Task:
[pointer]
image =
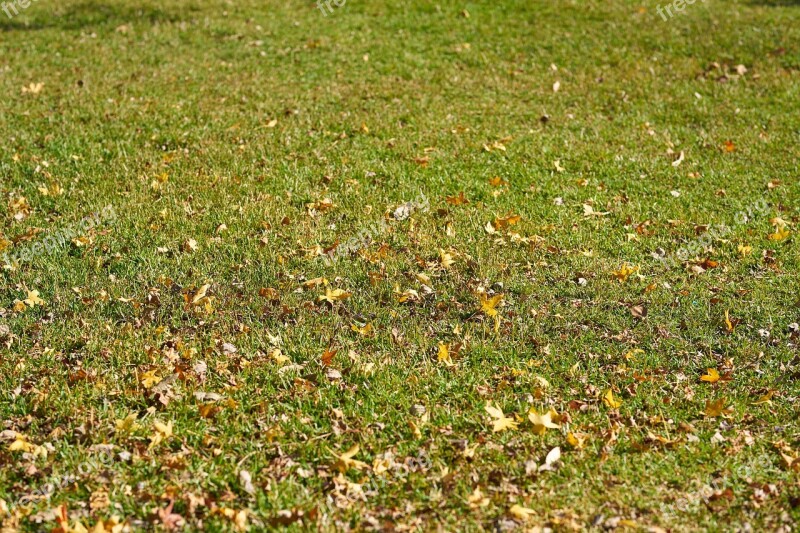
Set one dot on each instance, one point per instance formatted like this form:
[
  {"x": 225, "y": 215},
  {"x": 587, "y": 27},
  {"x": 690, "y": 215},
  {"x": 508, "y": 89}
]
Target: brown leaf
[{"x": 639, "y": 311}]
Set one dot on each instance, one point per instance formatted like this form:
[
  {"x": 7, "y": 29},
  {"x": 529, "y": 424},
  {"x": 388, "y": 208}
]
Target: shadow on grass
[{"x": 89, "y": 14}]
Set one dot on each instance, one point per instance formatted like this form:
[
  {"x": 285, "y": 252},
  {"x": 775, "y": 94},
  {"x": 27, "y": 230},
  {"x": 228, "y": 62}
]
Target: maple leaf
[
  {"x": 576, "y": 440},
  {"x": 712, "y": 376},
  {"x": 322, "y": 205},
  {"x": 408, "y": 295},
  {"x": 521, "y": 513},
  {"x": 345, "y": 461},
  {"x": 779, "y": 235},
  {"x": 460, "y": 199},
  {"x": 365, "y": 331},
  {"x": 631, "y": 355},
  {"x": 170, "y": 520},
  {"x": 443, "y": 356},
  {"x": 501, "y": 422},
  {"x": 150, "y": 378},
  {"x": 328, "y": 355},
  {"x": 588, "y": 211},
  {"x": 127, "y": 424},
  {"x": 446, "y": 259},
  {"x": 477, "y": 499},
  {"x": 541, "y": 423},
  {"x": 163, "y": 432},
  {"x": 314, "y": 282},
  {"x": 278, "y": 356},
  {"x": 33, "y": 88},
  {"x": 717, "y": 408},
  {"x": 33, "y": 299},
  {"x": 624, "y": 272},
  {"x": 489, "y": 305},
  {"x": 489, "y": 308},
  {"x": 239, "y": 518},
  {"x": 502, "y": 223},
  {"x": 333, "y": 296},
  {"x": 791, "y": 462},
  {"x": 21, "y": 444}
]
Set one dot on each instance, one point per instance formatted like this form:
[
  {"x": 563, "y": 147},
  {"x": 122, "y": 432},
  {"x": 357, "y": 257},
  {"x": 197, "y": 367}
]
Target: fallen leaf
[
  {"x": 610, "y": 401},
  {"x": 717, "y": 408},
  {"x": 541, "y": 423},
  {"x": 521, "y": 513},
  {"x": 501, "y": 422},
  {"x": 712, "y": 376},
  {"x": 345, "y": 461},
  {"x": 624, "y": 272},
  {"x": 333, "y": 296}
]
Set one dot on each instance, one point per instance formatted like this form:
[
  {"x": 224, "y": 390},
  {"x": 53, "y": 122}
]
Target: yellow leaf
[
  {"x": 541, "y": 423},
  {"x": 576, "y": 441},
  {"x": 408, "y": 295},
  {"x": 610, "y": 401},
  {"x": 779, "y": 235},
  {"x": 631, "y": 355},
  {"x": 127, "y": 424},
  {"x": 522, "y": 513},
  {"x": 32, "y": 88},
  {"x": 488, "y": 305},
  {"x": 162, "y": 432},
  {"x": 477, "y": 499},
  {"x": 33, "y": 299},
  {"x": 149, "y": 378},
  {"x": 278, "y": 356},
  {"x": 767, "y": 398},
  {"x": 239, "y": 518},
  {"x": 445, "y": 259},
  {"x": 543, "y": 383},
  {"x": 625, "y": 272},
  {"x": 365, "y": 331},
  {"x": 728, "y": 323},
  {"x": 502, "y": 223},
  {"x": 711, "y": 377},
  {"x": 501, "y": 422},
  {"x": 345, "y": 461},
  {"x": 717, "y": 408},
  {"x": 200, "y": 294},
  {"x": 444, "y": 355},
  {"x": 314, "y": 282},
  {"x": 588, "y": 211},
  {"x": 333, "y": 296},
  {"x": 19, "y": 444}
]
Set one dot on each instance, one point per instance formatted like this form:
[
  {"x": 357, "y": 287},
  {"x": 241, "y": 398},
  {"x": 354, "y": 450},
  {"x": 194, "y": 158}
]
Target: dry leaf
[
  {"x": 501, "y": 422},
  {"x": 610, "y": 401},
  {"x": 541, "y": 423},
  {"x": 712, "y": 376}
]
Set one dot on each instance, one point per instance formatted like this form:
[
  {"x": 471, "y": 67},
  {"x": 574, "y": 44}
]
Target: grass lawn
[{"x": 460, "y": 266}]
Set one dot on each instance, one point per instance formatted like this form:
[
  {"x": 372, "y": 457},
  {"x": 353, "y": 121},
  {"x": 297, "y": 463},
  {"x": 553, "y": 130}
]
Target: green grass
[{"x": 166, "y": 110}]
